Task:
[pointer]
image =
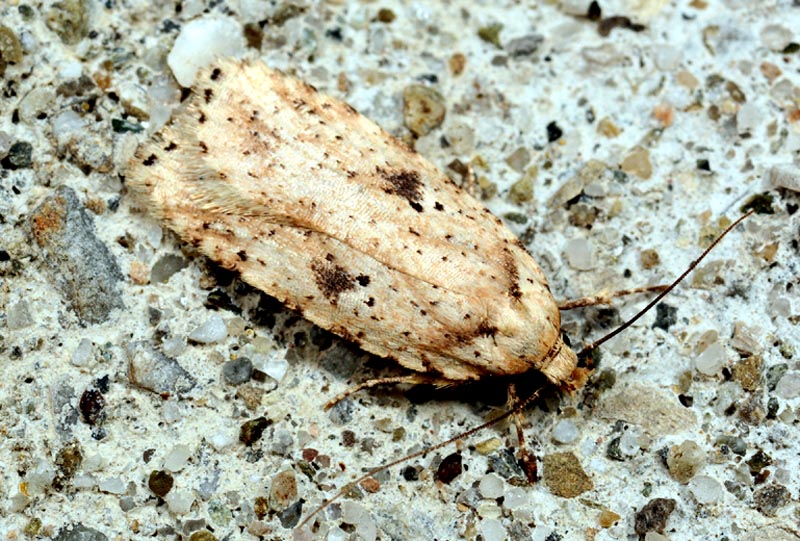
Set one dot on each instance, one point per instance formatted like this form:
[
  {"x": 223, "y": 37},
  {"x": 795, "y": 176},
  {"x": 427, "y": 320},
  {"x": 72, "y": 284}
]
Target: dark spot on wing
[
  {"x": 215, "y": 74},
  {"x": 363, "y": 280},
  {"x": 332, "y": 279},
  {"x": 150, "y": 160},
  {"x": 405, "y": 184}
]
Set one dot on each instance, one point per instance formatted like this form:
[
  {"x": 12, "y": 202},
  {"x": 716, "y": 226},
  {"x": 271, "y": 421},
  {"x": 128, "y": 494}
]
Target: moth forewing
[{"x": 319, "y": 207}]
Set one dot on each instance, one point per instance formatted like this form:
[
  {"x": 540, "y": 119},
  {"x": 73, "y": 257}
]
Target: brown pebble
[
  {"x": 564, "y": 475},
  {"x": 653, "y": 516},
  {"x": 160, "y": 482},
  {"x": 370, "y": 484}
]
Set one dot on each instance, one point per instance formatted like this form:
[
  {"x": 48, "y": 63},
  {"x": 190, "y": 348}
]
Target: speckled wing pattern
[{"x": 316, "y": 205}]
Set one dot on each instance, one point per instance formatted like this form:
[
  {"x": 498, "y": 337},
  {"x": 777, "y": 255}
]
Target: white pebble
[
  {"x": 212, "y": 330},
  {"x": 82, "y": 354},
  {"x": 112, "y": 485},
  {"x": 66, "y": 125},
  {"x": 274, "y": 365},
  {"x": 748, "y": 118},
  {"x": 487, "y": 509},
  {"x": 69, "y": 69},
  {"x": 492, "y": 530},
  {"x": 179, "y": 502},
  {"x": 222, "y": 440},
  {"x": 515, "y": 497},
  {"x": 711, "y": 360},
  {"x": 202, "y": 41},
  {"x": 785, "y": 176},
  {"x": 491, "y": 486},
  {"x": 171, "y": 411},
  {"x": 565, "y": 431},
  {"x": 354, "y": 513},
  {"x": 667, "y": 58},
  {"x": 629, "y": 443},
  {"x": 705, "y": 489},
  {"x": 776, "y": 37},
  {"x": 177, "y": 458},
  {"x": 580, "y": 254},
  {"x": 336, "y": 534},
  {"x": 789, "y": 386}
]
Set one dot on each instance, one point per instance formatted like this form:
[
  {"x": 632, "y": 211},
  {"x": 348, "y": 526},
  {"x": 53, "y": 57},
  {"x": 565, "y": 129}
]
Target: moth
[
  {"x": 316, "y": 205},
  {"x": 319, "y": 207}
]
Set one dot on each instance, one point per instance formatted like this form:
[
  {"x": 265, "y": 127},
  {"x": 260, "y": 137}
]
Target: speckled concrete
[{"x": 128, "y": 412}]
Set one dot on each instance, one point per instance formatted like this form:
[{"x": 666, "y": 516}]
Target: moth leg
[
  {"x": 414, "y": 379},
  {"x": 526, "y": 457},
  {"x": 605, "y": 298}
]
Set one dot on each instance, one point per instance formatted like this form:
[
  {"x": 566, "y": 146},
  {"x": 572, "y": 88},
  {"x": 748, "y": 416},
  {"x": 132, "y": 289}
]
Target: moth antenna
[
  {"x": 346, "y": 488},
  {"x": 586, "y": 350}
]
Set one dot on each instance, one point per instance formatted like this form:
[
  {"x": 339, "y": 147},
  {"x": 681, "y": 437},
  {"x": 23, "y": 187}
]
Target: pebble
[
  {"x": 789, "y": 386},
  {"x": 18, "y": 316},
  {"x": 748, "y": 119},
  {"x": 653, "y": 516},
  {"x": 78, "y": 263},
  {"x": 770, "y": 499},
  {"x": 200, "y": 42},
  {"x": 565, "y": 431},
  {"x": 706, "y": 490},
  {"x": 79, "y": 532},
  {"x": 785, "y": 176},
  {"x": 492, "y": 530},
  {"x": 282, "y": 491},
  {"x": 776, "y": 37},
  {"x": 19, "y": 156},
  {"x": 515, "y": 497},
  {"x": 112, "y": 485},
  {"x": 637, "y": 163},
  {"x": 685, "y": 460},
  {"x": 179, "y": 502},
  {"x": 83, "y": 354},
  {"x": 524, "y": 46},
  {"x": 238, "y": 371},
  {"x": 160, "y": 482},
  {"x": 177, "y": 458},
  {"x": 354, "y": 513},
  {"x": 564, "y": 475},
  {"x": 579, "y": 253},
  {"x": 165, "y": 266},
  {"x": 210, "y": 331},
  {"x": 423, "y": 109},
  {"x": 491, "y": 486},
  {"x": 711, "y": 361},
  {"x": 154, "y": 371},
  {"x": 274, "y": 364}
]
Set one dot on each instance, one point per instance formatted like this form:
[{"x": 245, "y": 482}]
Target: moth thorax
[{"x": 561, "y": 367}]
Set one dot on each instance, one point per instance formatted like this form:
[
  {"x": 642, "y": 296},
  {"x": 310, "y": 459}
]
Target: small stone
[
  {"x": 112, "y": 485},
  {"x": 685, "y": 460},
  {"x": 649, "y": 258},
  {"x": 354, "y": 513},
  {"x": 653, "y": 516},
  {"x": 179, "y": 502},
  {"x": 637, "y": 163},
  {"x": 160, "y": 482},
  {"x": 251, "y": 395},
  {"x": 522, "y": 190},
  {"x": 18, "y": 316},
  {"x": 788, "y": 387},
  {"x": 92, "y": 406},
  {"x": 565, "y": 431},
  {"x": 165, "y": 267},
  {"x": 200, "y": 42},
  {"x": 210, "y": 331},
  {"x": 770, "y": 499},
  {"x": 745, "y": 339},
  {"x": 706, "y": 490},
  {"x": 274, "y": 364},
  {"x": 554, "y": 132},
  {"x": 524, "y": 46},
  {"x": 776, "y": 37},
  {"x": 202, "y": 535},
  {"x": 666, "y": 316},
  {"x": 423, "y": 109},
  {"x": 80, "y": 266},
  {"x": 492, "y": 530},
  {"x": 177, "y": 458},
  {"x": 10, "y": 48},
  {"x": 579, "y": 254},
  {"x": 69, "y": 19},
  {"x": 19, "y": 156},
  {"x": 156, "y": 372},
  {"x": 83, "y": 354},
  {"x": 564, "y": 475},
  {"x": 237, "y": 371},
  {"x": 449, "y": 468},
  {"x": 251, "y": 431},
  {"x": 748, "y": 372},
  {"x": 519, "y": 159},
  {"x": 748, "y": 119},
  {"x": 79, "y": 532},
  {"x": 386, "y": 16},
  {"x": 282, "y": 491},
  {"x": 712, "y": 360},
  {"x": 608, "y": 518},
  {"x": 491, "y": 34},
  {"x": 607, "y": 128},
  {"x": 491, "y": 486},
  {"x": 774, "y": 375},
  {"x": 457, "y": 63},
  {"x": 785, "y": 176}
]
